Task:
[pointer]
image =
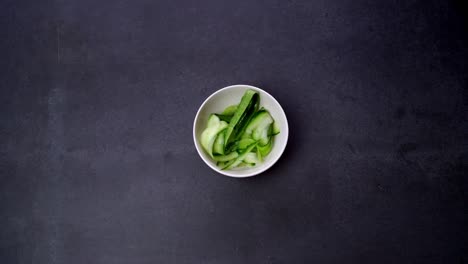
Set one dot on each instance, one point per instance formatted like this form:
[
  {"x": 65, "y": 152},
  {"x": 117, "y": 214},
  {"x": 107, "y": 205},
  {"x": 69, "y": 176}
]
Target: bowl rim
[{"x": 255, "y": 172}]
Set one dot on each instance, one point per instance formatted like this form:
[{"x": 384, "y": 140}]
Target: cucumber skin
[{"x": 249, "y": 103}]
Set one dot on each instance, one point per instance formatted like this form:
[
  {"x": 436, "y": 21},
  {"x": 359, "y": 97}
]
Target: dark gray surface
[{"x": 97, "y": 160}]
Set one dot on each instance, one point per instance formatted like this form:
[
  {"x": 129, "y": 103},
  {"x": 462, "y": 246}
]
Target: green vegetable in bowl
[{"x": 242, "y": 135}]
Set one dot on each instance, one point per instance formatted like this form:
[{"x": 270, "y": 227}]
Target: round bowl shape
[{"x": 230, "y": 95}]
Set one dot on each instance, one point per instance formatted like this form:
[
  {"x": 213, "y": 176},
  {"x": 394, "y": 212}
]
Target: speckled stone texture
[{"x": 97, "y": 101}]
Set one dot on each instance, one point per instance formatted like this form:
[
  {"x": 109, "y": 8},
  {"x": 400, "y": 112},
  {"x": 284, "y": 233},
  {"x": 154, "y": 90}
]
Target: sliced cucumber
[
  {"x": 226, "y": 118},
  {"x": 259, "y": 127},
  {"x": 245, "y": 165},
  {"x": 245, "y": 142},
  {"x": 248, "y": 105},
  {"x": 259, "y": 155},
  {"x": 230, "y": 110},
  {"x": 265, "y": 150},
  {"x": 242, "y": 135},
  {"x": 227, "y": 157},
  {"x": 222, "y": 164},
  {"x": 218, "y": 147},
  {"x": 262, "y": 135},
  {"x": 209, "y": 135},
  {"x": 276, "y": 129},
  {"x": 251, "y": 158},
  {"x": 233, "y": 163}
]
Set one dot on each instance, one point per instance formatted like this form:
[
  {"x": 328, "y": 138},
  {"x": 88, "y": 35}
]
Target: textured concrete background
[{"x": 97, "y": 163}]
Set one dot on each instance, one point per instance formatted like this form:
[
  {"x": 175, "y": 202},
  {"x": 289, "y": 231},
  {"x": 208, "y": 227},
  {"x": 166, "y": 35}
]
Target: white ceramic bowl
[{"x": 232, "y": 95}]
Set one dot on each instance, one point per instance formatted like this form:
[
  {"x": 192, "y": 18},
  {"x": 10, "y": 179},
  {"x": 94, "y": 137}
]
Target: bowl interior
[{"x": 217, "y": 102}]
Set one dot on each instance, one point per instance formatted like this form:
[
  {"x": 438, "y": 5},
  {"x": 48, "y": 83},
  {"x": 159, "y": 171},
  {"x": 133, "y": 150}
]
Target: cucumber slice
[
  {"x": 226, "y": 118},
  {"x": 218, "y": 147},
  {"x": 233, "y": 163},
  {"x": 265, "y": 150},
  {"x": 245, "y": 165},
  {"x": 259, "y": 127},
  {"x": 276, "y": 129},
  {"x": 222, "y": 164},
  {"x": 259, "y": 155},
  {"x": 262, "y": 135},
  {"x": 230, "y": 110},
  {"x": 228, "y": 113},
  {"x": 248, "y": 105},
  {"x": 251, "y": 158},
  {"x": 227, "y": 157},
  {"x": 245, "y": 142},
  {"x": 209, "y": 135}
]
